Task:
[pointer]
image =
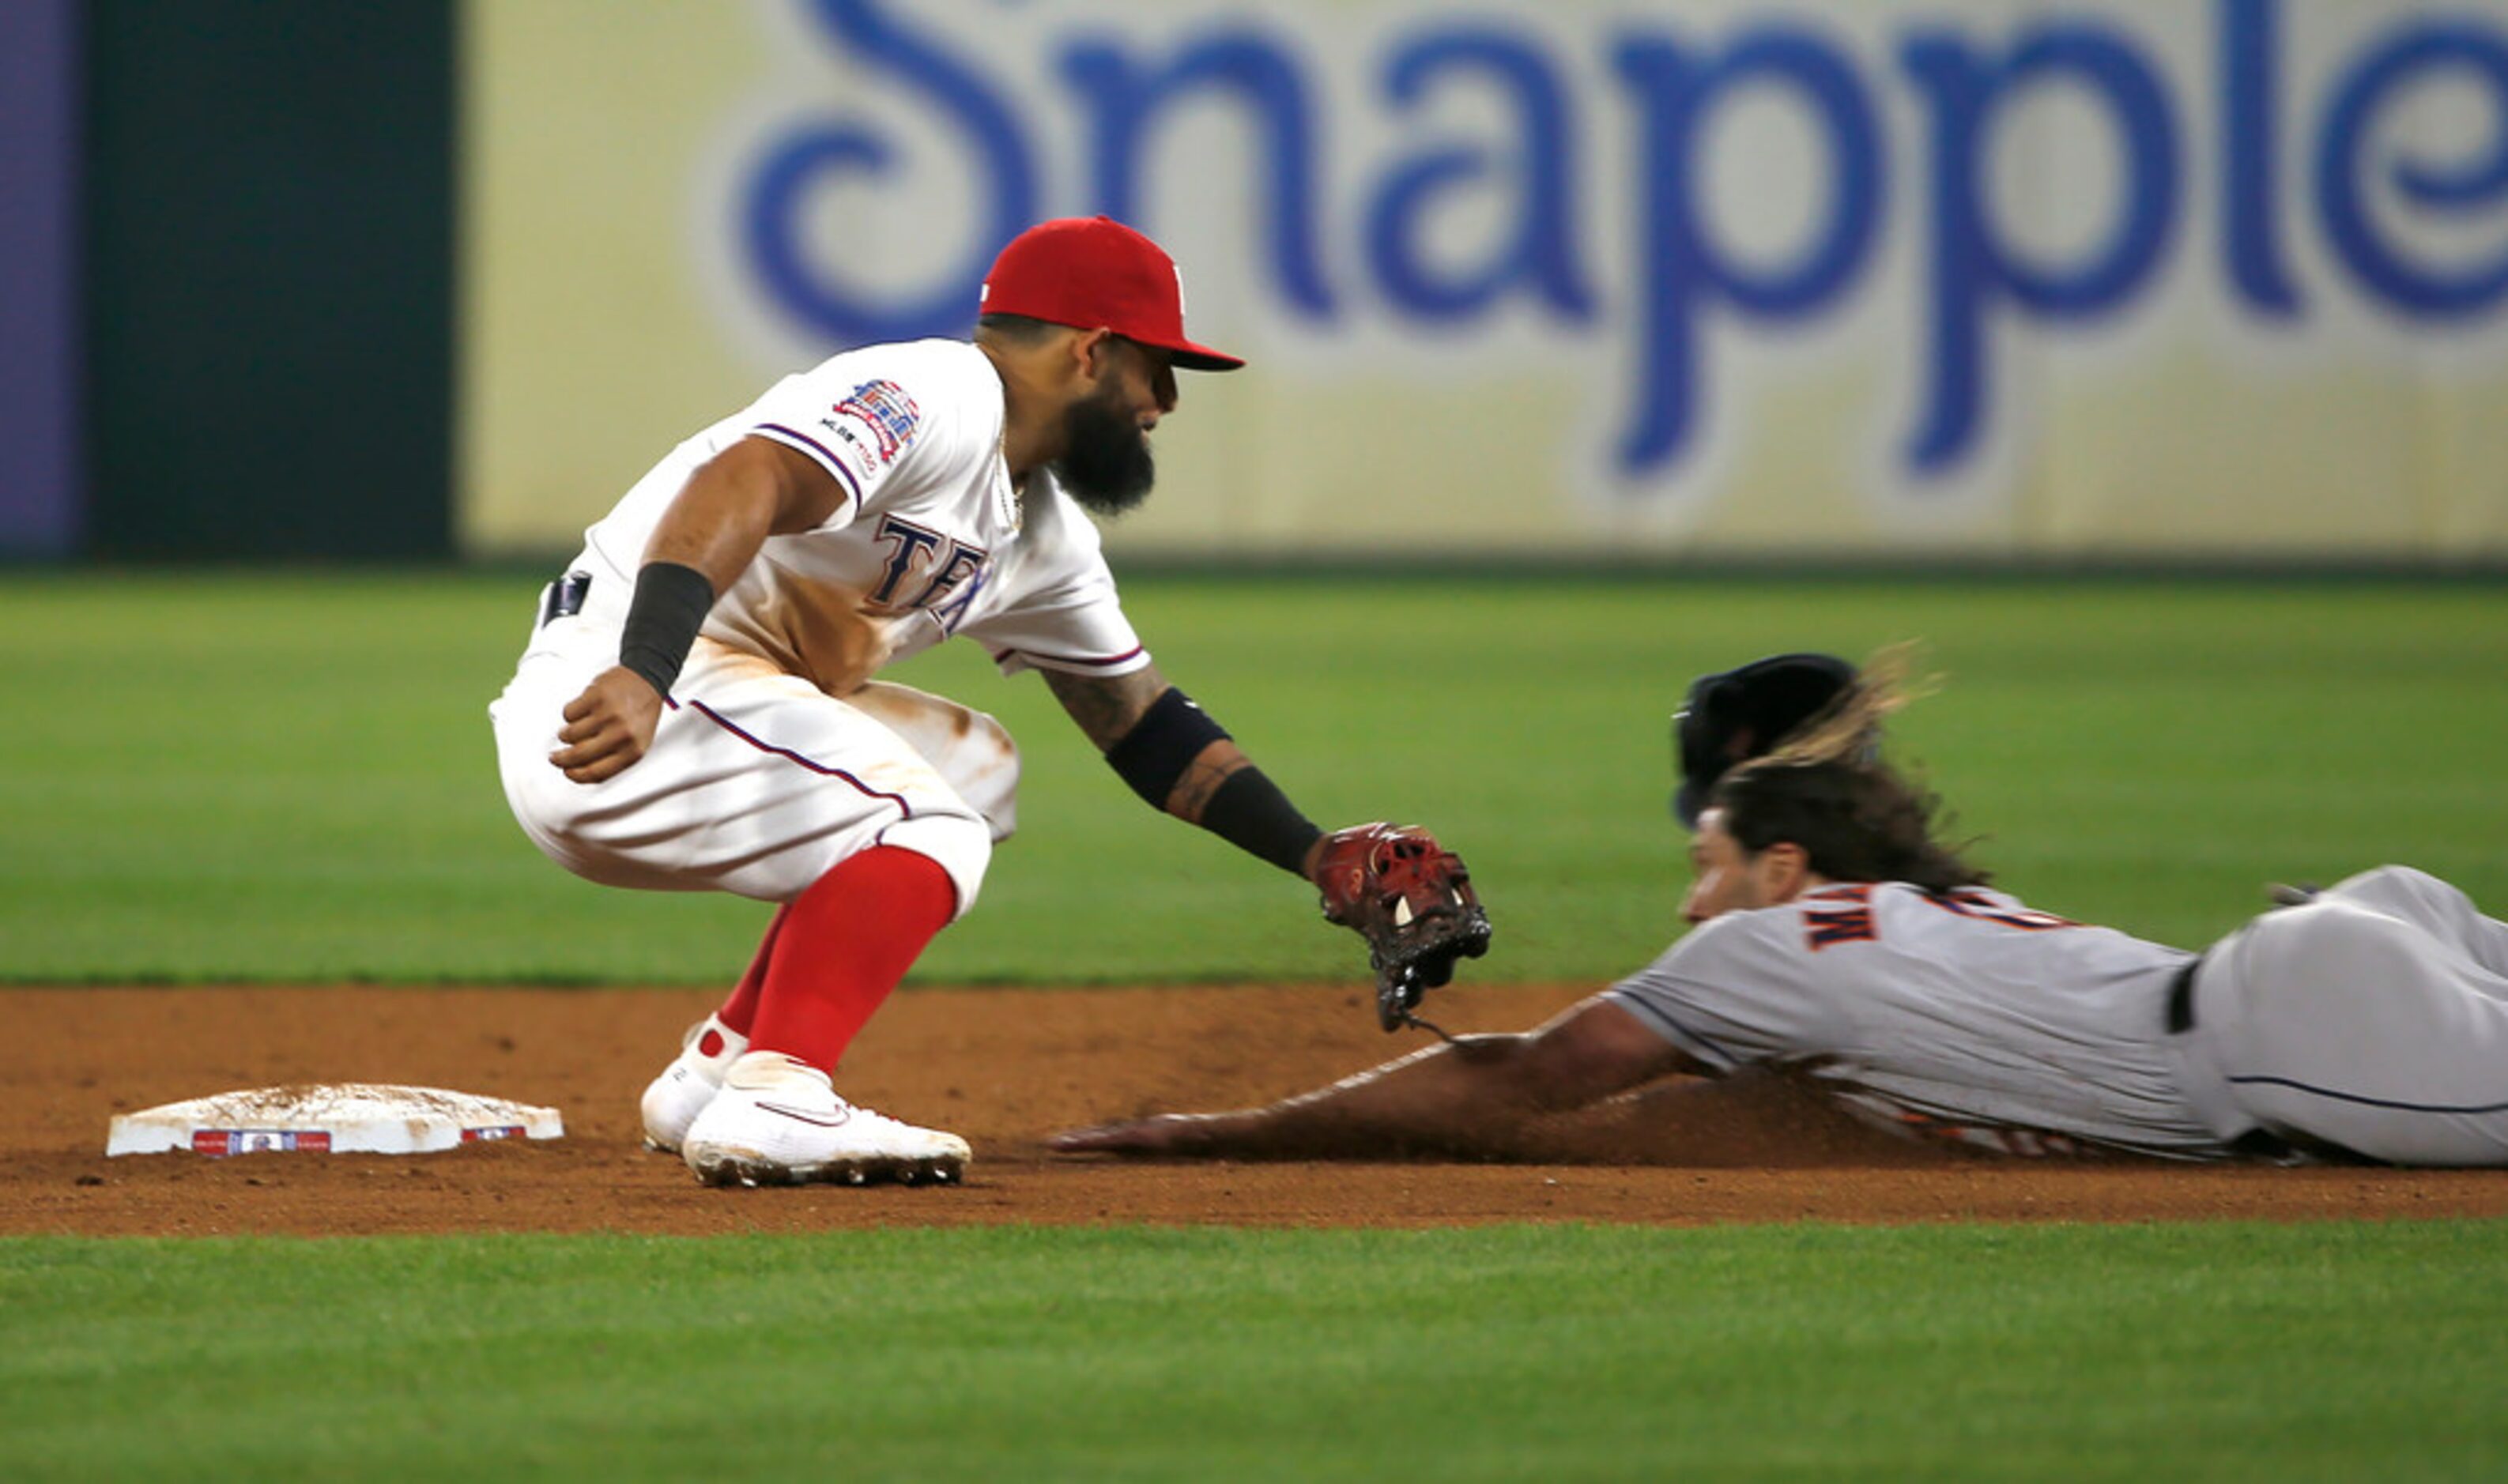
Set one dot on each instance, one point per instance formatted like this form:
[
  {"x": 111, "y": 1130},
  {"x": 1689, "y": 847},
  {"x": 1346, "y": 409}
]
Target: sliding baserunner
[{"x": 1840, "y": 941}]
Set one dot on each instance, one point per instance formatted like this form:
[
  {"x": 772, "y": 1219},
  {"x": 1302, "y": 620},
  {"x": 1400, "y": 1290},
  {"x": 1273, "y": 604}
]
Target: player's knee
[
  {"x": 972, "y": 752},
  {"x": 961, "y": 844},
  {"x": 992, "y": 740},
  {"x": 992, "y": 776}
]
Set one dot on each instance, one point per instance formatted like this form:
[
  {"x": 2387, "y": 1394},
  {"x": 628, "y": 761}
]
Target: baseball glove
[{"x": 1411, "y": 900}]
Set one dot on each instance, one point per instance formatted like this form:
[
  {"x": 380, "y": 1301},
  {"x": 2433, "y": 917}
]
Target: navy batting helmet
[{"x": 1737, "y": 714}]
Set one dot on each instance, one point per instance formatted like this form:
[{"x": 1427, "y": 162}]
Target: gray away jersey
[{"x": 1967, "y": 1016}]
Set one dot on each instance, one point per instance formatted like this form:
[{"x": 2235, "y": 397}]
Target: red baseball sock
[
  {"x": 844, "y": 945},
  {"x": 740, "y": 1011}
]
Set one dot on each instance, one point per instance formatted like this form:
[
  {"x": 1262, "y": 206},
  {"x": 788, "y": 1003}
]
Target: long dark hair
[{"x": 1856, "y": 820}]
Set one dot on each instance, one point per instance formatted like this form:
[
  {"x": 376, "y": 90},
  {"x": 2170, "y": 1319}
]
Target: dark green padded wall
[{"x": 269, "y": 261}]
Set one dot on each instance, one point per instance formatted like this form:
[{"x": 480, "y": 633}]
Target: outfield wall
[
  {"x": 39, "y": 406},
  {"x": 225, "y": 268},
  {"x": 1971, "y": 281},
  {"x": 267, "y": 195},
  {"x": 1942, "y": 279}
]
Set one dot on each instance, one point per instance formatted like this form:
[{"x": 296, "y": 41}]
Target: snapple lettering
[{"x": 2355, "y": 186}]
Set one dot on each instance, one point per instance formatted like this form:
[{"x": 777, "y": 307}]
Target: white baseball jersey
[
  {"x": 930, "y": 539},
  {"x": 1968, "y": 1016},
  {"x": 778, "y": 755}
]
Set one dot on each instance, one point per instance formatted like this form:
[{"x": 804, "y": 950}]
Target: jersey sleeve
[
  {"x": 862, "y": 421},
  {"x": 1737, "y": 991},
  {"x": 1064, "y": 613}
]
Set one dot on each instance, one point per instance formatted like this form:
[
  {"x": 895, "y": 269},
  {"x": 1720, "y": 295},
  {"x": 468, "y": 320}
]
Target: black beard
[{"x": 1106, "y": 463}]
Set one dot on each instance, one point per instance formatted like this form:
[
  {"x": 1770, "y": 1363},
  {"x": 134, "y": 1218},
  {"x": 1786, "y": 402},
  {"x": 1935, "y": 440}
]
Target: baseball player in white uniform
[
  {"x": 1838, "y": 940},
  {"x": 696, "y": 709}
]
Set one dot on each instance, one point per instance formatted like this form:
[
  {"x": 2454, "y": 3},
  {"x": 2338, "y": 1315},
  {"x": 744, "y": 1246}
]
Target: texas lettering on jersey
[{"x": 927, "y": 569}]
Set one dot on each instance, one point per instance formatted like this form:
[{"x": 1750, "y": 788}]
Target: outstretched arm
[
  {"x": 1394, "y": 886},
  {"x": 1182, "y": 762},
  {"x": 1471, "y": 1098}
]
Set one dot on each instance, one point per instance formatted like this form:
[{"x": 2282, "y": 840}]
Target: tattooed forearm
[
  {"x": 1109, "y": 708},
  {"x": 1105, "y": 709}
]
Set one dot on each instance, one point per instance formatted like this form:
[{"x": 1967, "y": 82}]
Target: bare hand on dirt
[{"x": 1165, "y": 1134}]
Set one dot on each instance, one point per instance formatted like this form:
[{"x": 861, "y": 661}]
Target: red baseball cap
[{"x": 1094, "y": 272}]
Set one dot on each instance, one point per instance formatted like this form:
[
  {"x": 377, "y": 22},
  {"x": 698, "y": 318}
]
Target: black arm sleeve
[
  {"x": 670, "y": 606},
  {"x": 1247, "y": 810},
  {"x": 1250, "y": 813},
  {"x": 1162, "y": 745}
]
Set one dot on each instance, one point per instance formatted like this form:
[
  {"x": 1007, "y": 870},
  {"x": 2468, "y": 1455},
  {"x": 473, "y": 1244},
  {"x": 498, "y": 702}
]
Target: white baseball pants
[{"x": 758, "y": 782}]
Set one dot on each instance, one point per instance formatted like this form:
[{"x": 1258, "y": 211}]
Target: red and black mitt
[{"x": 1411, "y": 900}]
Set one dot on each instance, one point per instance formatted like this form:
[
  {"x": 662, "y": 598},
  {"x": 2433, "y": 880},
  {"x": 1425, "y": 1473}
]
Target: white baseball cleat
[
  {"x": 778, "y": 1121},
  {"x": 672, "y": 1100}
]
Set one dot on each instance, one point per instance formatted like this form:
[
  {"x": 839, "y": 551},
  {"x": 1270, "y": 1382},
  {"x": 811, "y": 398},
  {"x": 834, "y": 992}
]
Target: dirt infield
[{"x": 1004, "y": 1066}]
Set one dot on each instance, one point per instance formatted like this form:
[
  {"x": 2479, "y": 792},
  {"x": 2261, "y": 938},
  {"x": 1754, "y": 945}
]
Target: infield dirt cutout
[{"x": 1005, "y": 1067}]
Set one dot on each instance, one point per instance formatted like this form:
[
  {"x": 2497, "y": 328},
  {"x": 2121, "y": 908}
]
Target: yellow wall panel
[{"x": 1910, "y": 278}]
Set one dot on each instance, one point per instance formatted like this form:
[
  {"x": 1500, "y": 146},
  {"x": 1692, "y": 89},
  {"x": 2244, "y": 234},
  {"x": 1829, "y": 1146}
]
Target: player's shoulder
[
  {"x": 1734, "y": 967},
  {"x": 1838, "y": 912},
  {"x": 956, "y": 364},
  {"x": 935, "y": 360},
  {"x": 1744, "y": 931},
  {"x": 1958, "y": 901},
  {"x": 946, "y": 373},
  {"x": 910, "y": 392}
]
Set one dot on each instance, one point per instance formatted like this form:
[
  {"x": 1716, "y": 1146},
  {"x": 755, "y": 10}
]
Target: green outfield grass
[
  {"x": 287, "y": 777},
  {"x": 2219, "y": 1352}
]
